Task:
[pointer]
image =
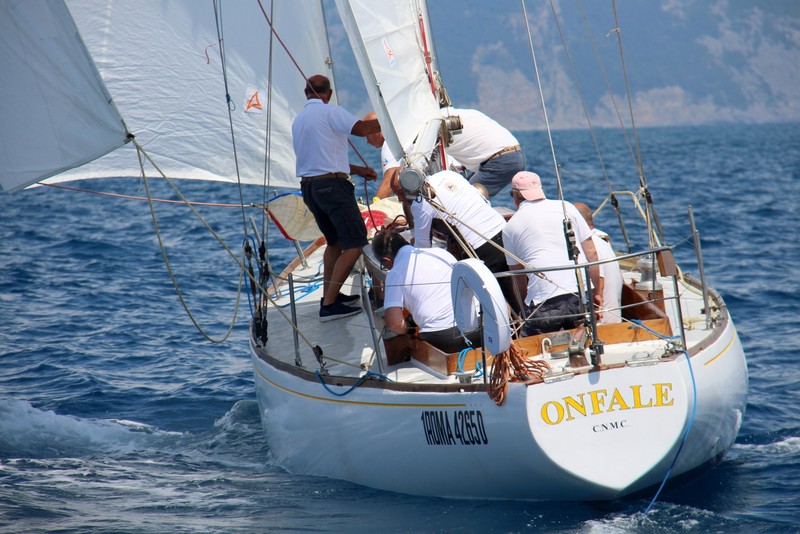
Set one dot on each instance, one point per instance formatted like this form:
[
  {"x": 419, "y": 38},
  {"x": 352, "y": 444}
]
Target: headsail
[
  {"x": 163, "y": 66},
  {"x": 56, "y": 111},
  {"x": 170, "y": 68},
  {"x": 388, "y": 45}
]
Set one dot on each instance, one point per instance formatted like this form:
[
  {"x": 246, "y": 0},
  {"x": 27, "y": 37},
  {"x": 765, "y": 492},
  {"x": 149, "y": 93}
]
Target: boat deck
[{"x": 348, "y": 344}]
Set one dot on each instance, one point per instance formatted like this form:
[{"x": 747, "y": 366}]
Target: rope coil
[{"x": 512, "y": 366}]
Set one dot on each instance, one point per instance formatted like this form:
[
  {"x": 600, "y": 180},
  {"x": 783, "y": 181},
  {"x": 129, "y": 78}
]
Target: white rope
[{"x": 222, "y": 242}]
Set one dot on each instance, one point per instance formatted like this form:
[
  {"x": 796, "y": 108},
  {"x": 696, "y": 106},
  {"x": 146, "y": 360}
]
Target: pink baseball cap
[{"x": 529, "y": 185}]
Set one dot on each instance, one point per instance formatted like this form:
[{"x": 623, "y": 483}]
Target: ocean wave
[{"x": 26, "y": 431}]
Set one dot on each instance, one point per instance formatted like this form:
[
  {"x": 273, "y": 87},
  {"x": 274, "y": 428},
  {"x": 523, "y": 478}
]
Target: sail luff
[
  {"x": 385, "y": 39},
  {"x": 370, "y": 79}
]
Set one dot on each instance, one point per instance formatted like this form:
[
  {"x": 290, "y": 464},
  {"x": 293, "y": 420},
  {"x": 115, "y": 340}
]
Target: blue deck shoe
[
  {"x": 337, "y": 310},
  {"x": 341, "y": 298}
]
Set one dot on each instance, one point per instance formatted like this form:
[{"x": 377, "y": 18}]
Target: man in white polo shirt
[
  {"x": 419, "y": 281},
  {"x": 319, "y": 136},
  {"x": 535, "y": 235}
]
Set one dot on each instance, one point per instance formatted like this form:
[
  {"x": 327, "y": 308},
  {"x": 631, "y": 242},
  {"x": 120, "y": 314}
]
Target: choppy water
[{"x": 117, "y": 416}]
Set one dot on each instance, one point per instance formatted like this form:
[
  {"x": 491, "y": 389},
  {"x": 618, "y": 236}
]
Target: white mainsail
[
  {"x": 162, "y": 65},
  {"x": 56, "y": 112},
  {"x": 388, "y": 45}
]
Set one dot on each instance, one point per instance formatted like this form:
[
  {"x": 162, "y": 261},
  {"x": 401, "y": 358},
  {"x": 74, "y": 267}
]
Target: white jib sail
[
  {"x": 386, "y": 38},
  {"x": 56, "y": 113},
  {"x": 162, "y": 65}
]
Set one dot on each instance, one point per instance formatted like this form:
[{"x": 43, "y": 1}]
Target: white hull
[{"x": 428, "y": 436}]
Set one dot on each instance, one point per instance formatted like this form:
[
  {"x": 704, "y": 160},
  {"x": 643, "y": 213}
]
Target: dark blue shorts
[
  {"x": 561, "y": 312},
  {"x": 333, "y": 204},
  {"x": 451, "y": 340}
]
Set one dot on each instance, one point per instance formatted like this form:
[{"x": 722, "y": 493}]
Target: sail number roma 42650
[{"x": 458, "y": 427}]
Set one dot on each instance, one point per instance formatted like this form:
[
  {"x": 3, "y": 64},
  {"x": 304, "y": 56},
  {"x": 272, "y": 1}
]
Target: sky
[{"x": 687, "y": 62}]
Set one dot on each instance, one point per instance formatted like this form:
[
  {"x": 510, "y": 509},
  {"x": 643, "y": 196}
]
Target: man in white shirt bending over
[
  {"x": 419, "y": 281},
  {"x": 486, "y": 149},
  {"x": 463, "y": 207},
  {"x": 389, "y": 164}
]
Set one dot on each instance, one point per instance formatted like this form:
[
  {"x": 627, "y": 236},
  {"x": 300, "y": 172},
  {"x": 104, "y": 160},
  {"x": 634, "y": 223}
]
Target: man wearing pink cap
[{"x": 535, "y": 235}]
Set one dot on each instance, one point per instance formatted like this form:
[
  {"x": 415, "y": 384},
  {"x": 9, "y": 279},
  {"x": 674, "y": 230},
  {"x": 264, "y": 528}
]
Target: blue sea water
[{"x": 117, "y": 415}]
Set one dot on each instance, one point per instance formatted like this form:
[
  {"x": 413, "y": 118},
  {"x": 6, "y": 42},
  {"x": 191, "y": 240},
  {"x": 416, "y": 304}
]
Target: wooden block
[
  {"x": 643, "y": 310},
  {"x": 398, "y": 349}
]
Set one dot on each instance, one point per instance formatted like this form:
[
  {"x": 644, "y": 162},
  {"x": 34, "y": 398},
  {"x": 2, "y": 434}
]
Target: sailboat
[{"x": 208, "y": 91}]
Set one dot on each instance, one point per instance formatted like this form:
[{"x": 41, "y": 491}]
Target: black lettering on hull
[{"x": 457, "y": 427}]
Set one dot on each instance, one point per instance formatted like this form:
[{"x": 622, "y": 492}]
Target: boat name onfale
[
  {"x": 600, "y": 401},
  {"x": 466, "y": 427}
]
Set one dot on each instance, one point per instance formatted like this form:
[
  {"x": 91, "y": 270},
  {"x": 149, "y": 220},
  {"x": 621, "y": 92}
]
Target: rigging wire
[
  {"x": 638, "y": 153},
  {"x": 263, "y": 260},
  {"x": 158, "y": 200},
  {"x": 258, "y": 314},
  {"x": 651, "y": 211},
  {"x": 223, "y": 64},
  {"x": 589, "y": 122},
  {"x": 544, "y": 106},
  {"x": 569, "y": 233},
  {"x": 606, "y": 80},
  {"x": 422, "y": 9},
  {"x": 268, "y": 128},
  {"x": 297, "y": 65},
  {"x": 302, "y": 73},
  {"x": 447, "y": 216},
  {"x": 428, "y": 61},
  {"x": 219, "y": 239}
]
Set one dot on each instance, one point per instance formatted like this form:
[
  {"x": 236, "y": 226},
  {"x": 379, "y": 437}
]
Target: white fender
[{"x": 472, "y": 280}]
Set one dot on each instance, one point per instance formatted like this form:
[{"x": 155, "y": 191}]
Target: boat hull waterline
[{"x": 596, "y": 436}]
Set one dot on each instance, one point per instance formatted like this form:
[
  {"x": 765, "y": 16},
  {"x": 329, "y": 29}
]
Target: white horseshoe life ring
[{"x": 471, "y": 283}]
